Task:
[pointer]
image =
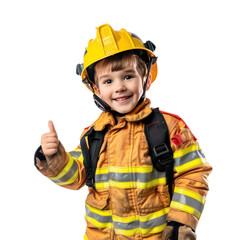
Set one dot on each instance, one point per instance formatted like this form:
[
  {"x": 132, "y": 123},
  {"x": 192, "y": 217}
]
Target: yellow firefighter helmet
[{"x": 109, "y": 42}]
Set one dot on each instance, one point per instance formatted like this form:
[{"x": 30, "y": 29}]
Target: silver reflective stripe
[
  {"x": 154, "y": 222},
  {"x": 99, "y": 218},
  {"x": 177, "y": 197},
  {"x": 68, "y": 175},
  {"x": 75, "y": 154},
  {"x": 188, "y": 157},
  {"x": 126, "y": 226},
  {"x": 129, "y": 177},
  {"x": 101, "y": 178},
  {"x": 148, "y": 224}
]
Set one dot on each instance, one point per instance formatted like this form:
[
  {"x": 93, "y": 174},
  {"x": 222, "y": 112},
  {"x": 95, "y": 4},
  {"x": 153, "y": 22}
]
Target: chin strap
[{"x": 106, "y": 108}]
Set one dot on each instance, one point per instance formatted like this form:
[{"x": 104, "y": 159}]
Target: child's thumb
[{"x": 51, "y": 127}]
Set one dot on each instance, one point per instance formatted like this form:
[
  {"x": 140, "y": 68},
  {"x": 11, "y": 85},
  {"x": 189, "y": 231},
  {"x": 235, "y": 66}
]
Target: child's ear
[
  {"x": 96, "y": 90},
  {"x": 149, "y": 81}
]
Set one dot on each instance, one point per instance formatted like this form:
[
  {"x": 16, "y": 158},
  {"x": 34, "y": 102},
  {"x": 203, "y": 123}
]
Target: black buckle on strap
[
  {"x": 90, "y": 183},
  {"x": 160, "y": 150},
  {"x": 163, "y": 155}
]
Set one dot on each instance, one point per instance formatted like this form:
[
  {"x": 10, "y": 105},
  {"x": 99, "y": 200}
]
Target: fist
[{"x": 49, "y": 142}]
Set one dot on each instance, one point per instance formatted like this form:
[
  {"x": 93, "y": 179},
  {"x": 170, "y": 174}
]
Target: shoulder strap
[
  {"x": 90, "y": 156},
  {"x": 160, "y": 150}
]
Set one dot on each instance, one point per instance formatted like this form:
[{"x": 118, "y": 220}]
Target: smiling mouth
[{"x": 121, "y": 98}]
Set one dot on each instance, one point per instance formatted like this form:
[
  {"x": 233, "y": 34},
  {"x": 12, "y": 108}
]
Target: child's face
[{"x": 122, "y": 89}]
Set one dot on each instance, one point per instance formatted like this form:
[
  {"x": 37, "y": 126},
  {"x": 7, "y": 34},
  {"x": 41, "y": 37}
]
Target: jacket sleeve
[
  {"x": 190, "y": 177},
  {"x": 66, "y": 169}
]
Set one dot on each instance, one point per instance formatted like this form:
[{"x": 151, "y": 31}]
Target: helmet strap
[
  {"x": 104, "y": 106},
  {"x": 146, "y": 82}
]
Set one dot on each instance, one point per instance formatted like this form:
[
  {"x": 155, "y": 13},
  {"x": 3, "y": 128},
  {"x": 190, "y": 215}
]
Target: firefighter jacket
[{"x": 131, "y": 199}]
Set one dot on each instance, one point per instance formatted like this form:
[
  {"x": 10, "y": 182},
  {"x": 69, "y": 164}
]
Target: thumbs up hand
[{"x": 50, "y": 142}]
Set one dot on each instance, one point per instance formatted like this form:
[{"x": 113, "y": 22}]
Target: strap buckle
[
  {"x": 163, "y": 155},
  {"x": 90, "y": 183},
  {"x": 160, "y": 150}
]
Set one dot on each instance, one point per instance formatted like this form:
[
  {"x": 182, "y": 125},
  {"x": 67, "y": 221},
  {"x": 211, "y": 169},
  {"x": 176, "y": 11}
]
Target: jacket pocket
[
  {"x": 98, "y": 200},
  {"x": 164, "y": 195}
]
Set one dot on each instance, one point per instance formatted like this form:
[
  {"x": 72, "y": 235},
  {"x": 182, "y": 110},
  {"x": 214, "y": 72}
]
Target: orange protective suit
[{"x": 131, "y": 199}]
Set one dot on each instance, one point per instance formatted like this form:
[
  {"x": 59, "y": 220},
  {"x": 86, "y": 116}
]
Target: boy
[{"x": 129, "y": 197}]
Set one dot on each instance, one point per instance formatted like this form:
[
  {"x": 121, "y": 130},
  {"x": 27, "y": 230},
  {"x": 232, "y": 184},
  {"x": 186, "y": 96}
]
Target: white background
[{"x": 40, "y": 44}]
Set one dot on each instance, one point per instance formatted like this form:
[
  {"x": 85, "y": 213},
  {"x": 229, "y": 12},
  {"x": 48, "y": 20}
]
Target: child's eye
[
  {"x": 108, "y": 81},
  {"x": 128, "y": 77}
]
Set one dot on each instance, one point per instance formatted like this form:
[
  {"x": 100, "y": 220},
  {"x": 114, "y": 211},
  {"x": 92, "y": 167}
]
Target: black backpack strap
[
  {"x": 90, "y": 156},
  {"x": 156, "y": 132}
]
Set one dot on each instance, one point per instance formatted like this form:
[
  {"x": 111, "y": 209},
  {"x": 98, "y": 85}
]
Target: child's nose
[{"x": 120, "y": 86}]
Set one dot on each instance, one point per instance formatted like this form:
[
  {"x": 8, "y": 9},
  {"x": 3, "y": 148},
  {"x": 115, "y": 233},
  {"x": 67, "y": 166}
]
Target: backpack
[{"x": 160, "y": 151}]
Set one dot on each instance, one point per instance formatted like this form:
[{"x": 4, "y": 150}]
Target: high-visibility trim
[
  {"x": 98, "y": 224},
  {"x": 140, "y": 185},
  {"x": 101, "y": 171},
  {"x": 127, "y": 226},
  {"x": 85, "y": 237},
  {"x": 188, "y": 201},
  {"x": 65, "y": 169},
  {"x": 77, "y": 155},
  {"x": 190, "y": 193},
  {"x": 186, "y": 208},
  {"x": 129, "y": 177},
  {"x": 99, "y": 218},
  {"x": 153, "y": 230},
  {"x": 134, "y": 169},
  {"x": 71, "y": 180},
  {"x": 189, "y": 149},
  {"x": 128, "y": 233},
  {"x": 69, "y": 173},
  {"x": 188, "y": 158},
  {"x": 105, "y": 213}
]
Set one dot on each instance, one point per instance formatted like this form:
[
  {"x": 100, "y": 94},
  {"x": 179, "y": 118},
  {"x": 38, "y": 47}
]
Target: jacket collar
[{"x": 139, "y": 113}]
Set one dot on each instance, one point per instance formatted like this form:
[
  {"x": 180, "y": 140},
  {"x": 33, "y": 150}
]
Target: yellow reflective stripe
[
  {"x": 140, "y": 185},
  {"x": 132, "y": 169},
  {"x": 157, "y": 229},
  {"x": 80, "y": 159},
  {"x": 102, "y": 185},
  {"x": 190, "y": 193},
  {"x": 128, "y": 233},
  {"x": 125, "y": 219},
  {"x": 105, "y": 177},
  {"x": 186, "y": 208},
  {"x": 71, "y": 180},
  {"x": 65, "y": 169},
  {"x": 142, "y": 219},
  {"x": 183, "y": 152},
  {"x": 189, "y": 165},
  {"x": 101, "y": 170},
  {"x": 99, "y": 212},
  {"x": 145, "y": 218},
  {"x": 188, "y": 158},
  {"x": 85, "y": 237},
  {"x": 78, "y": 152},
  {"x": 128, "y": 226},
  {"x": 154, "y": 215}
]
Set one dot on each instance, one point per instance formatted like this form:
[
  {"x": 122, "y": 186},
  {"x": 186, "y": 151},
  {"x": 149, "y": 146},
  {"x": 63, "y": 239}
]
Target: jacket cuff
[
  {"x": 185, "y": 218},
  {"x": 56, "y": 165}
]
